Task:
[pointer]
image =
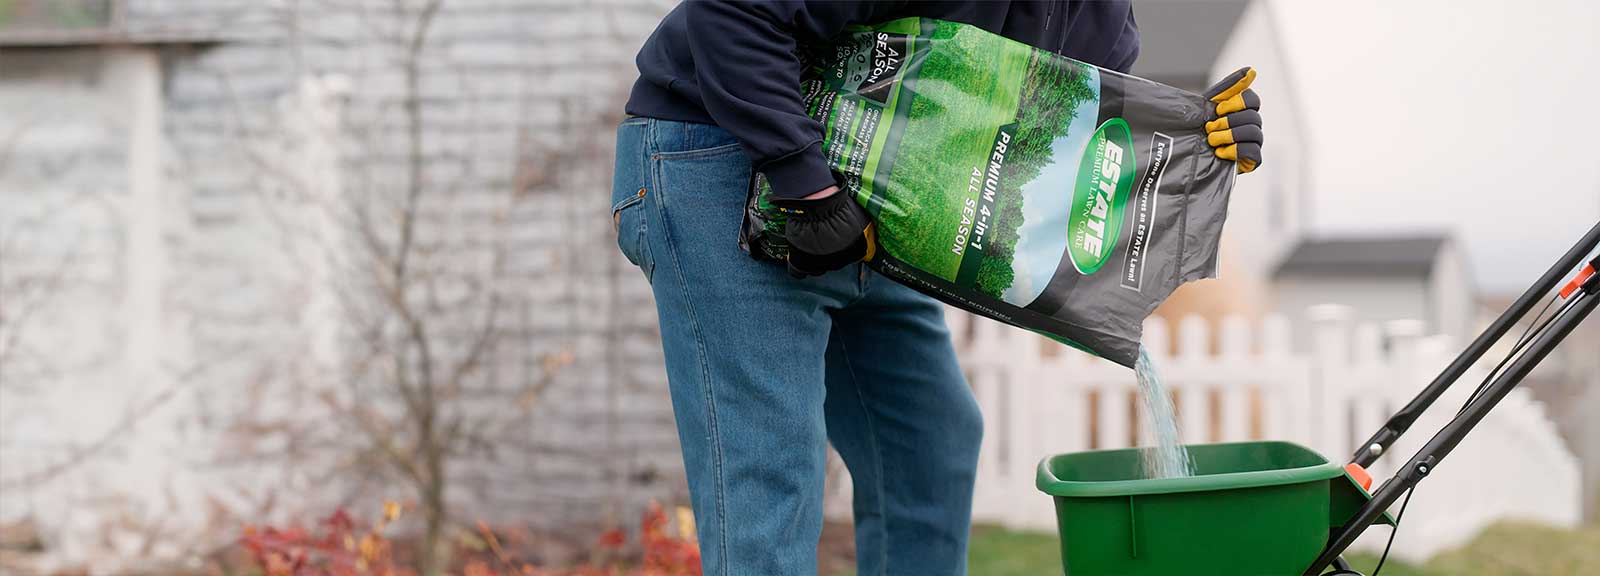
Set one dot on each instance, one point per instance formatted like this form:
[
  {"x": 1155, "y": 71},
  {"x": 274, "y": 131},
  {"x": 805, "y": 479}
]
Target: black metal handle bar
[
  {"x": 1369, "y": 451},
  {"x": 1453, "y": 432}
]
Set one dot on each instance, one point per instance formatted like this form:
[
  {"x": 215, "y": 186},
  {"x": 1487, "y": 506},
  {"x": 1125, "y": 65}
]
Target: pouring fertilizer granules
[
  {"x": 1168, "y": 458},
  {"x": 1021, "y": 185}
]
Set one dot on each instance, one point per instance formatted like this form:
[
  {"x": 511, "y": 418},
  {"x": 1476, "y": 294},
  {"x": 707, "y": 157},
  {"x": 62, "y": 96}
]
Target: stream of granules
[{"x": 1168, "y": 458}]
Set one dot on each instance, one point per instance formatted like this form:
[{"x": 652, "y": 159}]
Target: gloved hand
[
  {"x": 1235, "y": 128},
  {"x": 826, "y": 234}
]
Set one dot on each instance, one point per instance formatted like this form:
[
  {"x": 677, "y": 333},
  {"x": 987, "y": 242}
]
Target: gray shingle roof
[{"x": 1368, "y": 256}]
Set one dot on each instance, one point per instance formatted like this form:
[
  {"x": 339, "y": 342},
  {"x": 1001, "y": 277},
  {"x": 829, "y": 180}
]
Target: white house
[
  {"x": 1381, "y": 279},
  {"x": 1275, "y": 258}
]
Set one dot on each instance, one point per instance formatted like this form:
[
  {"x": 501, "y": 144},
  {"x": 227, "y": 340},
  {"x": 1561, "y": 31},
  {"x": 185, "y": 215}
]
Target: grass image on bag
[{"x": 1012, "y": 182}]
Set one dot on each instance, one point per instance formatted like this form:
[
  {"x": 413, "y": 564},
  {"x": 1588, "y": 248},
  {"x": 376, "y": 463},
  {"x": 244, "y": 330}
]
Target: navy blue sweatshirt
[{"x": 734, "y": 63}]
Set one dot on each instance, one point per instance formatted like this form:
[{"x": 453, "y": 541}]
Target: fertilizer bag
[{"x": 1014, "y": 183}]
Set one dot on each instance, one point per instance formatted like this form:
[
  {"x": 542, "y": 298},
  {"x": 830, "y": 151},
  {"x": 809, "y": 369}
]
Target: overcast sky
[{"x": 1475, "y": 116}]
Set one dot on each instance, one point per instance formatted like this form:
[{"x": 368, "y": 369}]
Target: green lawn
[
  {"x": 998, "y": 552},
  {"x": 1505, "y": 549},
  {"x": 1364, "y": 563}
]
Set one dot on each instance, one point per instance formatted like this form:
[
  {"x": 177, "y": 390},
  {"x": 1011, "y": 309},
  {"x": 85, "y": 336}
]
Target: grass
[
  {"x": 1364, "y": 563},
  {"x": 1508, "y": 549},
  {"x": 1503, "y": 549},
  {"x": 996, "y": 552}
]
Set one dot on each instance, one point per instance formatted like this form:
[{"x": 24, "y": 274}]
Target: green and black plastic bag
[{"x": 1015, "y": 183}]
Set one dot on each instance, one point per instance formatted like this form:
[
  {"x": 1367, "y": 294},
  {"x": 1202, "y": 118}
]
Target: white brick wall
[
  {"x": 504, "y": 83},
  {"x": 496, "y": 73}
]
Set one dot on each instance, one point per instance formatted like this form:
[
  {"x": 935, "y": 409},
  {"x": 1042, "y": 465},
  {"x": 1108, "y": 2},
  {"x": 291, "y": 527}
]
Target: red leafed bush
[
  {"x": 665, "y": 555},
  {"x": 340, "y": 546},
  {"x": 337, "y": 548}
]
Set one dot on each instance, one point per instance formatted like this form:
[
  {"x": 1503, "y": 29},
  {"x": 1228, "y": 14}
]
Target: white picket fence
[{"x": 1041, "y": 398}]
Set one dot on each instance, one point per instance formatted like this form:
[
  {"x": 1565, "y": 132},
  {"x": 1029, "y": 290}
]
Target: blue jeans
[{"x": 765, "y": 370}]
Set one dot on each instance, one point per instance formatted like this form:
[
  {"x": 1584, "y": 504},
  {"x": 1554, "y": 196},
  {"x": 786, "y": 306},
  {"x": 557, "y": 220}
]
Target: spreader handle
[
  {"x": 1426, "y": 459},
  {"x": 1384, "y": 438}
]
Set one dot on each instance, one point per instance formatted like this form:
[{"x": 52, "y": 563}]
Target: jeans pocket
[
  {"x": 629, "y": 185},
  {"x": 699, "y": 198},
  {"x": 706, "y": 153},
  {"x": 627, "y": 220}
]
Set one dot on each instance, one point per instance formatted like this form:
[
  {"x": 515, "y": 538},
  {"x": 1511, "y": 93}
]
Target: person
[{"x": 767, "y": 366}]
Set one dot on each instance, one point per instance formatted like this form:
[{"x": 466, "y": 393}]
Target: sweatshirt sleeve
[
  {"x": 1126, "y": 49},
  {"x": 748, "y": 70}
]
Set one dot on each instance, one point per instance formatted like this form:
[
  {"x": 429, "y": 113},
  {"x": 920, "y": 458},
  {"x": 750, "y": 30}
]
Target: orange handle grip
[{"x": 1583, "y": 276}]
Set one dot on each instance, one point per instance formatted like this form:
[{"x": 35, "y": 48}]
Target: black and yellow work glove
[
  {"x": 826, "y": 234},
  {"x": 1235, "y": 126}
]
